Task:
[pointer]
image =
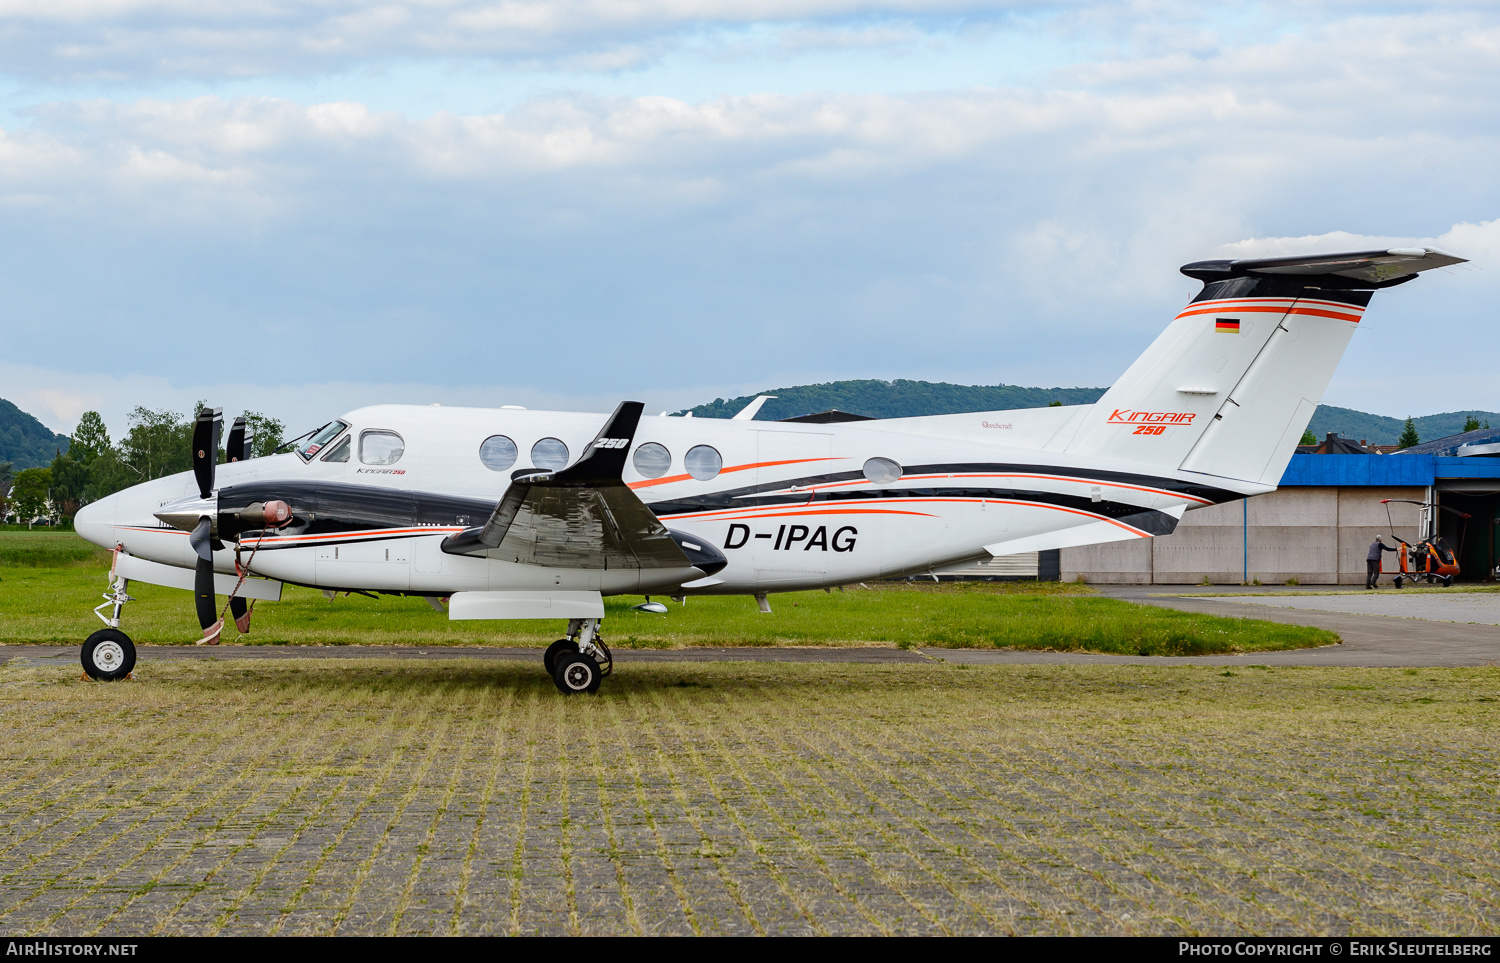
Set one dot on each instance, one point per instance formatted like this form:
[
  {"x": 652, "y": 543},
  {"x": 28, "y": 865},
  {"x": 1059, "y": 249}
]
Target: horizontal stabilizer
[
  {"x": 1152, "y": 524},
  {"x": 1373, "y": 268}
]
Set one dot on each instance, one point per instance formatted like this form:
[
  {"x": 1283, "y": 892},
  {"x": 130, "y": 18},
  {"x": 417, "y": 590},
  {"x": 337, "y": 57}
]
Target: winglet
[{"x": 604, "y": 459}]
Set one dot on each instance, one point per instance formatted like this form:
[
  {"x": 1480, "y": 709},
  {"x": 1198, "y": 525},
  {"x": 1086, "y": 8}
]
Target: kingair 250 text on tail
[{"x": 515, "y": 514}]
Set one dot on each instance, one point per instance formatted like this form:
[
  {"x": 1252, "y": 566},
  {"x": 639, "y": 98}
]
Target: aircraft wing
[{"x": 580, "y": 517}]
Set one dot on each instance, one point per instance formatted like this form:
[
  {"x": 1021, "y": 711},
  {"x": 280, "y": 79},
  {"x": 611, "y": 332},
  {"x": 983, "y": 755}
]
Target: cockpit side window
[
  {"x": 339, "y": 452},
  {"x": 320, "y": 439}
]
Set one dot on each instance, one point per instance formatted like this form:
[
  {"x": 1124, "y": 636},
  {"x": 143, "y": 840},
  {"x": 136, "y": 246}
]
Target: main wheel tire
[
  {"x": 108, "y": 655},
  {"x": 1398, "y": 581},
  {"x": 549, "y": 659},
  {"x": 576, "y": 673}
]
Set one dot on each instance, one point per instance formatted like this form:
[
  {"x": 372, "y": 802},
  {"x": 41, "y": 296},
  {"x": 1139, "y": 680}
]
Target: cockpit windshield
[{"x": 320, "y": 439}]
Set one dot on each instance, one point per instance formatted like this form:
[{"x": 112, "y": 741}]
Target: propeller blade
[
  {"x": 206, "y": 448},
  {"x": 203, "y": 593},
  {"x": 241, "y": 612},
  {"x": 237, "y": 448},
  {"x": 202, "y": 540}
]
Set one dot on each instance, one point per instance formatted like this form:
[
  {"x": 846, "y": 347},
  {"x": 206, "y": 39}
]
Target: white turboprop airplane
[{"x": 429, "y": 501}]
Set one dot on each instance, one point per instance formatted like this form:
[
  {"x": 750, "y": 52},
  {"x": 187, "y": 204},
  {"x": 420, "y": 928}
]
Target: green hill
[
  {"x": 26, "y": 442},
  {"x": 908, "y": 399},
  {"x": 896, "y": 399},
  {"x": 1379, "y": 430}
]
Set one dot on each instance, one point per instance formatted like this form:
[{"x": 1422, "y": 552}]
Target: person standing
[{"x": 1372, "y": 561}]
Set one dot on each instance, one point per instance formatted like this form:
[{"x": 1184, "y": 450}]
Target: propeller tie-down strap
[{"x": 276, "y": 514}]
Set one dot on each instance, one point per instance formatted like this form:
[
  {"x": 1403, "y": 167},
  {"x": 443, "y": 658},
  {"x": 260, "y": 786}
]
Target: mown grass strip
[
  {"x": 49, "y": 550},
  {"x": 1005, "y": 798},
  {"x": 54, "y": 605}
]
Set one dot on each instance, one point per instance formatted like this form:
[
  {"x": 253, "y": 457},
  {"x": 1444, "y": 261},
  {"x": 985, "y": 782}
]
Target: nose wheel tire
[
  {"x": 549, "y": 659},
  {"x": 576, "y": 673},
  {"x": 108, "y": 655}
]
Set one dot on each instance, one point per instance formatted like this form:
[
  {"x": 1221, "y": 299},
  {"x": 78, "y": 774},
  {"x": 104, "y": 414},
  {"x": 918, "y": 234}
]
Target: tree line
[{"x": 158, "y": 443}]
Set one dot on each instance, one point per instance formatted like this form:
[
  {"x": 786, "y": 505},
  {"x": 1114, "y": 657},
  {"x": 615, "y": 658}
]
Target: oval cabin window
[
  {"x": 703, "y": 462},
  {"x": 882, "y": 471},
  {"x": 652, "y": 460},
  {"x": 498, "y": 452},
  {"x": 549, "y": 454},
  {"x": 380, "y": 447}
]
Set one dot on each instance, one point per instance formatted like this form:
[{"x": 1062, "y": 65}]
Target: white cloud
[
  {"x": 1479, "y": 243},
  {"x": 58, "y": 397},
  {"x": 582, "y": 245},
  {"x": 169, "y": 38}
]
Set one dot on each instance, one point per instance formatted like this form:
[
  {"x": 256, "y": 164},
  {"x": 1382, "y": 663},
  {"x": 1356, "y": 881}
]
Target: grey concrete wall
[
  {"x": 1361, "y": 518},
  {"x": 1313, "y": 535},
  {"x": 1124, "y": 562}
]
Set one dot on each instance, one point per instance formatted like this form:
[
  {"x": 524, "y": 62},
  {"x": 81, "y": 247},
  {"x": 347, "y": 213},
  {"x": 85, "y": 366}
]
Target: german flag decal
[{"x": 1227, "y": 325}]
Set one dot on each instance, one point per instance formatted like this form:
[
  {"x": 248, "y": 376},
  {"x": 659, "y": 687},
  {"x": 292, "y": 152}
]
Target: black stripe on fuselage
[
  {"x": 776, "y": 493},
  {"x": 330, "y": 508},
  {"x": 1147, "y": 519}
]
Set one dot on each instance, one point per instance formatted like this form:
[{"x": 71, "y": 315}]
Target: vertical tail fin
[{"x": 1230, "y": 385}]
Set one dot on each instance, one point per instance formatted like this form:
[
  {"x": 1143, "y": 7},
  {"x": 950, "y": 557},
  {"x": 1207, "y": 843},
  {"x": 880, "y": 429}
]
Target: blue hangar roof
[{"x": 1370, "y": 470}]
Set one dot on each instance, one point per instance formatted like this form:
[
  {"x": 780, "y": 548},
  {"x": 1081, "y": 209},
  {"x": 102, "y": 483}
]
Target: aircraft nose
[{"x": 94, "y": 521}]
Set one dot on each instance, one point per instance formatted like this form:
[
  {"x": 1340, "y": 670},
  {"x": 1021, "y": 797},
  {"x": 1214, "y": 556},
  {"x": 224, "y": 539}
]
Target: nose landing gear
[
  {"x": 579, "y": 662},
  {"x": 109, "y": 654}
]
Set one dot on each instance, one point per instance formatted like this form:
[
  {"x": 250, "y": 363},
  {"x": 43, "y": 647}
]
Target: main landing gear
[
  {"x": 579, "y": 662},
  {"x": 109, "y": 654}
]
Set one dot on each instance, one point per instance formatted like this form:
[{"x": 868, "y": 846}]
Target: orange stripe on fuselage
[
  {"x": 740, "y": 514},
  {"x": 758, "y": 464},
  {"x": 269, "y": 540},
  {"x": 813, "y": 511},
  {"x": 1070, "y": 479}
]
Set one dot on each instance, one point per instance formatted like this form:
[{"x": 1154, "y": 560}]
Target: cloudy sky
[{"x": 301, "y": 207}]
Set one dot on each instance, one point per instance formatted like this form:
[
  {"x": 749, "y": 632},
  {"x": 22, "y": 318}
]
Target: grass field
[
  {"x": 52, "y": 604},
  {"x": 377, "y": 797}
]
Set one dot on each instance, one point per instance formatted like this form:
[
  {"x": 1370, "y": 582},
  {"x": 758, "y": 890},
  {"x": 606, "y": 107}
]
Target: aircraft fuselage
[{"x": 791, "y": 505}]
